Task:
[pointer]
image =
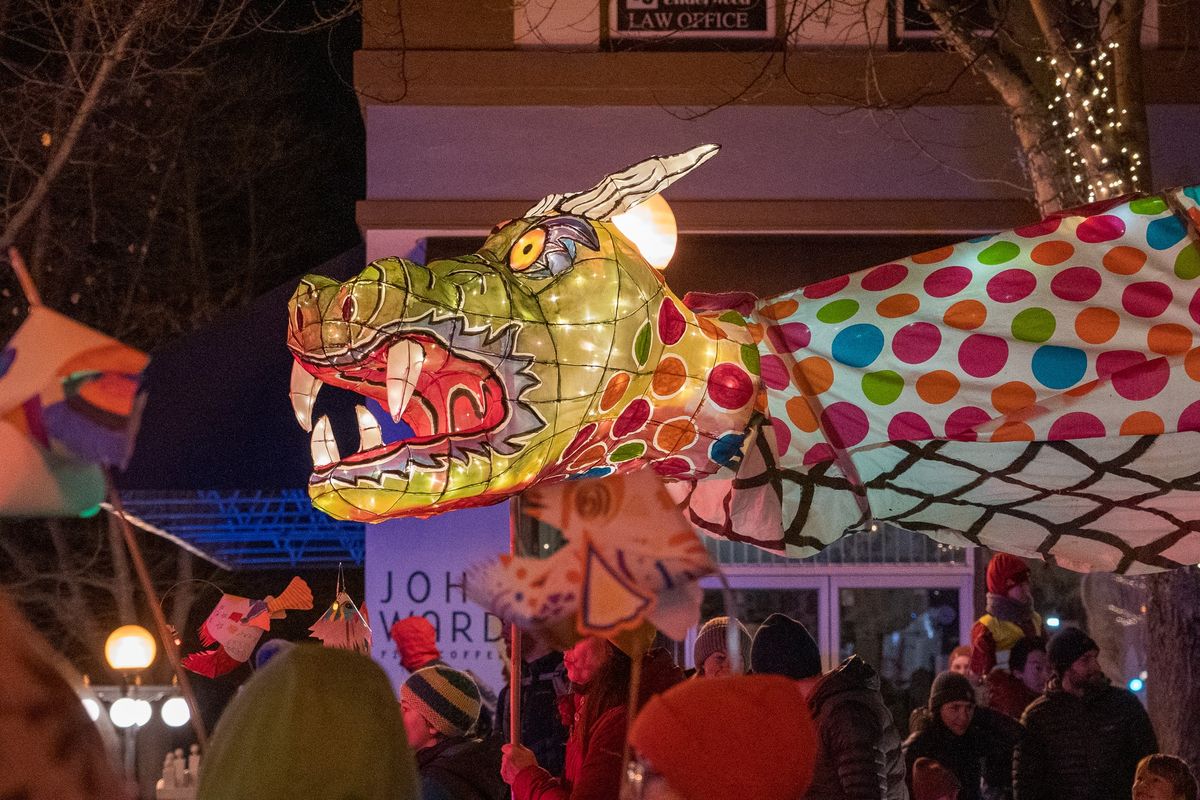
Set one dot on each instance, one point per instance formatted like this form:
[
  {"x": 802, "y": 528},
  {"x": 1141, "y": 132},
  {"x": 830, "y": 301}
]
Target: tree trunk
[{"x": 1173, "y": 686}]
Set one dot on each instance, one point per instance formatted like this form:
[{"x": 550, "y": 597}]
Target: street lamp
[{"x": 130, "y": 648}]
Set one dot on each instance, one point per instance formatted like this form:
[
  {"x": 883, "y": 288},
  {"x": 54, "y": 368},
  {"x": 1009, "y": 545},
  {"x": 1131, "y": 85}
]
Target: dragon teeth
[
  {"x": 324, "y": 446},
  {"x": 404, "y": 361},
  {"x": 303, "y": 392},
  {"x": 369, "y": 434}
]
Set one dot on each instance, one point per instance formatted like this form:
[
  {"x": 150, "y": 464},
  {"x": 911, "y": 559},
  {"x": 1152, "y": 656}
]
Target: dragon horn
[
  {"x": 296, "y": 596},
  {"x": 623, "y": 190}
]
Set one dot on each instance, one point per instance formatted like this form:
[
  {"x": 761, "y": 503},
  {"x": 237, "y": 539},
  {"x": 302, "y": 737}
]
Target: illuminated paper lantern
[
  {"x": 234, "y": 627},
  {"x": 1032, "y": 391}
]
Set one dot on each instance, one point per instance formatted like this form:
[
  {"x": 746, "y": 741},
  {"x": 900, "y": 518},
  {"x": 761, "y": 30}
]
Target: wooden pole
[
  {"x": 160, "y": 620},
  {"x": 23, "y": 277},
  {"x": 514, "y": 651}
]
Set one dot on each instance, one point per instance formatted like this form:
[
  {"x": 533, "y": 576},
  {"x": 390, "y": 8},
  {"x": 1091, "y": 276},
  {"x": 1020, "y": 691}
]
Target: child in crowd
[{"x": 1163, "y": 777}]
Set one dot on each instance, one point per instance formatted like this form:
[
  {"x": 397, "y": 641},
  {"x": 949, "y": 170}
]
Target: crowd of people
[{"x": 1018, "y": 718}]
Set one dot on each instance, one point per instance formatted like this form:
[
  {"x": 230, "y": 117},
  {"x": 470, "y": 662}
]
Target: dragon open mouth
[{"x": 457, "y": 389}]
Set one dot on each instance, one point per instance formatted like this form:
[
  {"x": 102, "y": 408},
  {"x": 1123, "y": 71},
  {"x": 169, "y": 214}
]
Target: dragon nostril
[{"x": 348, "y": 308}]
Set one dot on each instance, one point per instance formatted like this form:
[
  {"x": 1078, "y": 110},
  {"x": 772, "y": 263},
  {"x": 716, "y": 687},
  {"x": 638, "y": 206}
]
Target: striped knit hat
[
  {"x": 713, "y": 638},
  {"x": 446, "y": 698}
]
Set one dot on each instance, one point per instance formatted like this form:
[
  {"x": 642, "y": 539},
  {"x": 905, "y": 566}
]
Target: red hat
[
  {"x": 741, "y": 736},
  {"x": 932, "y": 781},
  {"x": 1005, "y": 571},
  {"x": 416, "y": 642}
]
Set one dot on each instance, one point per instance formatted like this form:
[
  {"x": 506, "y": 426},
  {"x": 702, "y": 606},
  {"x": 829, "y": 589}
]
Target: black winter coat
[
  {"x": 984, "y": 752},
  {"x": 462, "y": 768},
  {"x": 859, "y": 749},
  {"x": 1081, "y": 748}
]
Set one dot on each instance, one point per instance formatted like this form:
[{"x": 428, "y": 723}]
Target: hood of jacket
[{"x": 852, "y": 675}]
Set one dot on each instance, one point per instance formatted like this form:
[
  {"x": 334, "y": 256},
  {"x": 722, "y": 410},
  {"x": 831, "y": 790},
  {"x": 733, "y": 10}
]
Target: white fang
[
  {"x": 404, "y": 361},
  {"x": 324, "y": 446},
  {"x": 304, "y": 394},
  {"x": 369, "y": 434}
]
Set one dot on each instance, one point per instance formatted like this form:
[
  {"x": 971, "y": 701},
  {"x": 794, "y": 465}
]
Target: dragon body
[{"x": 1033, "y": 391}]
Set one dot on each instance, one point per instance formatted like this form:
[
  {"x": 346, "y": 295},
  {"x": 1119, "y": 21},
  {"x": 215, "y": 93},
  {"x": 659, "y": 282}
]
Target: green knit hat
[
  {"x": 317, "y": 723},
  {"x": 446, "y": 698}
]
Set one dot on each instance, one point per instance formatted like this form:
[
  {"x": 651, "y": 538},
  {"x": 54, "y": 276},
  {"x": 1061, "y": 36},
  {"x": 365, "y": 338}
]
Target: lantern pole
[{"x": 514, "y": 650}]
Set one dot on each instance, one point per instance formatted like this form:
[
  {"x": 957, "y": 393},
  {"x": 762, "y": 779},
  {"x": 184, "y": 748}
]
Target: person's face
[
  {"x": 584, "y": 660},
  {"x": 960, "y": 664},
  {"x": 1085, "y": 672},
  {"x": 717, "y": 665},
  {"x": 1036, "y": 672},
  {"x": 1022, "y": 592},
  {"x": 1147, "y": 786},
  {"x": 957, "y": 716},
  {"x": 416, "y": 728}
]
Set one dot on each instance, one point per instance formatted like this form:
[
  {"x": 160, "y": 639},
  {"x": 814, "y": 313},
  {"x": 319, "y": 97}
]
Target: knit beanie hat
[
  {"x": 446, "y": 698},
  {"x": 1004, "y": 572},
  {"x": 416, "y": 642},
  {"x": 932, "y": 781},
  {"x": 764, "y": 723},
  {"x": 1067, "y": 646},
  {"x": 783, "y": 646},
  {"x": 949, "y": 687},
  {"x": 316, "y": 722},
  {"x": 714, "y": 638}
]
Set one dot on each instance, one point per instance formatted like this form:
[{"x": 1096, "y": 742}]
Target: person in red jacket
[
  {"x": 599, "y": 673},
  {"x": 1011, "y": 691},
  {"x": 1010, "y": 616}
]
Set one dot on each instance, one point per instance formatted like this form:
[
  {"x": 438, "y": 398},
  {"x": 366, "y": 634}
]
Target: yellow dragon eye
[{"x": 527, "y": 250}]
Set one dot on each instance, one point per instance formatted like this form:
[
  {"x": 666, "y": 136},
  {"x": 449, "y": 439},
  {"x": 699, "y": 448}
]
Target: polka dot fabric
[{"x": 931, "y": 379}]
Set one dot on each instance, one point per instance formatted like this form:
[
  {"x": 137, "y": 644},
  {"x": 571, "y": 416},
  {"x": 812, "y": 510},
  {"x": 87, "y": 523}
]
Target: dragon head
[{"x": 507, "y": 365}]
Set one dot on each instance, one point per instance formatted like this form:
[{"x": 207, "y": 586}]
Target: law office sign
[{"x": 697, "y": 19}]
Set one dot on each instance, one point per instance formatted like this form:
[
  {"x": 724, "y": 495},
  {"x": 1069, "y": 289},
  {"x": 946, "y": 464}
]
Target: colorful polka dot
[
  {"x": 845, "y": 424},
  {"x": 727, "y": 449},
  {"x": 1008, "y": 398},
  {"x": 783, "y": 435},
  {"x": 1191, "y": 364},
  {"x": 916, "y": 343},
  {"x": 818, "y": 454},
  {"x": 1058, "y": 367},
  {"x": 627, "y": 452},
  {"x": 675, "y": 434},
  {"x": 1101, "y": 228},
  {"x": 1165, "y": 232},
  {"x": 1146, "y": 299},
  {"x": 671, "y": 324},
  {"x": 998, "y": 253},
  {"x": 1169, "y": 339},
  {"x": 947, "y": 281},
  {"x": 982, "y": 356},
  {"x": 641, "y": 345},
  {"x": 730, "y": 386},
  {"x": 826, "y": 288},
  {"x": 1076, "y": 284},
  {"x": 669, "y": 376},
  {"x": 1189, "y": 420},
  {"x": 1148, "y": 206},
  {"x": 1097, "y": 325},
  {"x": 614, "y": 390},
  {"x": 1033, "y": 325},
  {"x": 939, "y": 386},
  {"x": 898, "y": 305},
  {"x": 675, "y": 465},
  {"x": 966, "y": 315},
  {"x": 1011, "y": 285},
  {"x": 1194, "y": 307},
  {"x": 752, "y": 362},
  {"x": 1013, "y": 431},
  {"x": 813, "y": 375},
  {"x": 1043, "y": 228},
  {"x": 789, "y": 337},
  {"x": 1143, "y": 381},
  {"x": 774, "y": 372},
  {"x": 933, "y": 256},
  {"x": 1076, "y": 425},
  {"x": 1142, "y": 423},
  {"x": 1115, "y": 361},
  {"x": 858, "y": 345},
  {"x": 961, "y": 424},
  {"x": 1187, "y": 263},
  {"x": 882, "y": 388},
  {"x": 884, "y": 277},
  {"x": 837, "y": 311},
  {"x": 632, "y": 419},
  {"x": 800, "y": 413},
  {"x": 1052, "y": 253},
  {"x": 581, "y": 438},
  {"x": 780, "y": 310},
  {"x": 1124, "y": 260},
  {"x": 909, "y": 426}
]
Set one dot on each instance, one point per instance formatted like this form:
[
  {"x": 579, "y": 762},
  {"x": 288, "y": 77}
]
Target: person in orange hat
[
  {"x": 745, "y": 736},
  {"x": 1010, "y": 616}
]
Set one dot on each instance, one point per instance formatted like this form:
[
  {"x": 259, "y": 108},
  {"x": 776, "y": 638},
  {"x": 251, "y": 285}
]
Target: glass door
[{"x": 755, "y": 597}]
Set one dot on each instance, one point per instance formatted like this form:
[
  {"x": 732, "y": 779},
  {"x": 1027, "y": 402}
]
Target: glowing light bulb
[
  {"x": 652, "y": 229},
  {"x": 130, "y": 647}
]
